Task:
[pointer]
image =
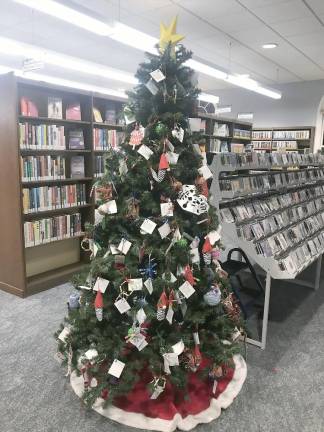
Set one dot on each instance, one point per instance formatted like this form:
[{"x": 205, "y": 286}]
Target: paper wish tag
[
  {"x": 166, "y": 209},
  {"x": 169, "y": 277},
  {"x": 101, "y": 284},
  {"x": 213, "y": 236},
  {"x": 172, "y": 158},
  {"x": 178, "y": 348},
  {"x": 98, "y": 217},
  {"x": 178, "y": 133},
  {"x": 145, "y": 151},
  {"x": 135, "y": 284},
  {"x": 124, "y": 246},
  {"x": 170, "y": 359},
  {"x": 157, "y": 75},
  {"x": 169, "y": 145},
  {"x": 141, "y": 316},
  {"x": 169, "y": 315},
  {"x": 138, "y": 341},
  {"x": 91, "y": 354},
  {"x": 205, "y": 172},
  {"x": 148, "y": 226},
  {"x": 116, "y": 368},
  {"x": 109, "y": 207},
  {"x": 187, "y": 289},
  {"x": 157, "y": 391},
  {"x": 164, "y": 230},
  {"x": 64, "y": 334},
  {"x": 194, "y": 255},
  {"x": 113, "y": 249},
  {"x": 122, "y": 305},
  {"x": 152, "y": 87},
  {"x": 149, "y": 285}
]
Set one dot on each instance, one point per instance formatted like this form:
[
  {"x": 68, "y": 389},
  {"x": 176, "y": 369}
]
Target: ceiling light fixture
[
  {"x": 134, "y": 38},
  {"x": 271, "y": 45},
  {"x": 69, "y": 15}
]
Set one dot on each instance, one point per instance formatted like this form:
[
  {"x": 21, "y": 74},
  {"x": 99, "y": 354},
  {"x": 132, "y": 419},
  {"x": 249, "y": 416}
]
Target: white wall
[{"x": 297, "y": 107}]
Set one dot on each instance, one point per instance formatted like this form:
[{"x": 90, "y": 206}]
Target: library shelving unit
[
  {"x": 271, "y": 206},
  {"x": 30, "y": 267},
  {"x": 283, "y": 139},
  {"x": 224, "y": 134}
]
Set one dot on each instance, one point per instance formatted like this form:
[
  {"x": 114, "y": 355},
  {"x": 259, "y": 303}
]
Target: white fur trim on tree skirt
[{"x": 142, "y": 422}]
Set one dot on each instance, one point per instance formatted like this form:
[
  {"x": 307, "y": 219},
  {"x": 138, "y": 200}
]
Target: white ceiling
[{"x": 223, "y": 33}]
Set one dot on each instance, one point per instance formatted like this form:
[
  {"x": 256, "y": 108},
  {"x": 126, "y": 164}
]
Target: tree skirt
[{"x": 171, "y": 410}]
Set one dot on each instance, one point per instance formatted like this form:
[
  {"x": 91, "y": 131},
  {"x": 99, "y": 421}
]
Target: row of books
[
  {"x": 300, "y": 257},
  {"x": 104, "y": 139},
  {"x": 279, "y": 221},
  {"x": 43, "y": 136},
  {"x": 99, "y": 168},
  {"x": 241, "y": 133},
  {"x": 45, "y": 198},
  {"x": 264, "y": 160},
  {"x": 50, "y": 229},
  {"x": 261, "y": 145},
  {"x": 276, "y": 245},
  {"x": 262, "y": 135},
  {"x": 221, "y": 146},
  {"x": 284, "y": 145},
  {"x": 255, "y": 183},
  {"x": 291, "y": 134},
  {"x": 258, "y": 209},
  {"x": 47, "y": 167}
]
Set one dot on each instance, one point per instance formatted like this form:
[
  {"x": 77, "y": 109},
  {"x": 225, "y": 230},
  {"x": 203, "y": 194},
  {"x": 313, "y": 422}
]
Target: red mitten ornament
[
  {"x": 207, "y": 250},
  {"x": 99, "y": 305},
  {"x": 161, "y": 306},
  {"x": 188, "y": 275},
  {"x": 163, "y": 167}
]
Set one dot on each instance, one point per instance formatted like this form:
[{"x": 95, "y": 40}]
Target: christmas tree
[{"x": 155, "y": 305}]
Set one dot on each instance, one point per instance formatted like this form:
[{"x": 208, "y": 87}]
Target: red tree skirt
[{"x": 171, "y": 410}]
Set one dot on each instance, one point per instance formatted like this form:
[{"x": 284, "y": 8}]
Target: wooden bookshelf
[
  {"x": 233, "y": 140},
  {"x": 27, "y": 270},
  {"x": 268, "y": 140}
]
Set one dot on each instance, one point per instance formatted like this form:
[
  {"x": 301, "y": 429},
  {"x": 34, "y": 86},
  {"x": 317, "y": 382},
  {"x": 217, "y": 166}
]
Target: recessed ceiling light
[{"x": 270, "y": 45}]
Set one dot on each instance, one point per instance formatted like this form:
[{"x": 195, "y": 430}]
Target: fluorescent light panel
[
  {"x": 134, "y": 38},
  {"x": 69, "y": 15}
]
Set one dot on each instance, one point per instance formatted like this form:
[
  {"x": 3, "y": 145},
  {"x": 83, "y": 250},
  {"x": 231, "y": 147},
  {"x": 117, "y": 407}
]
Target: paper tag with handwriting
[
  {"x": 148, "y": 226},
  {"x": 101, "y": 284},
  {"x": 187, "y": 289},
  {"x": 122, "y": 305},
  {"x": 116, "y": 368}
]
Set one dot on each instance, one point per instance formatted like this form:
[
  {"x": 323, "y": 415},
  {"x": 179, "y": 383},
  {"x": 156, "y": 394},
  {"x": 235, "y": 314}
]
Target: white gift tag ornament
[
  {"x": 122, "y": 305},
  {"x": 109, "y": 207},
  {"x": 148, "y": 226},
  {"x": 213, "y": 236},
  {"x": 145, "y": 151},
  {"x": 124, "y": 246},
  {"x": 135, "y": 284},
  {"x": 178, "y": 133},
  {"x": 141, "y": 316},
  {"x": 149, "y": 285},
  {"x": 91, "y": 354},
  {"x": 172, "y": 158},
  {"x": 64, "y": 334},
  {"x": 178, "y": 348},
  {"x": 169, "y": 315},
  {"x": 166, "y": 209},
  {"x": 152, "y": 87},
  {"x": 116, "y": 368},
  {"x": 164, "y": 230},
  {"x": 205, "y": 172},
  {"x": 101, "y": 284},
  {"x": 157, "y": 75},
  {"x": 113, "y": 249},
  {"x": 187, "y": 289}
]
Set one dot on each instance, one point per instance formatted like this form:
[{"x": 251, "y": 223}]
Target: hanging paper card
[
  {"x": 169, "y": 277},
  {"x": 170, "y": 359},
  {"x": 152, "y": 87},
  {"x": 196, "y": 338},
  {"x": 178, "y": 348},
  {"x": 194, "y": 255},
  {"x": 213, "y": 236},
  {"x": 205, "y": 172},
  {"x": 178, "y": 133},
  {"x": 172, "y": 158},
  {"x": 124, "y": 246},
  {"x": 169, "y": 315},
  {"x": 164, "y": 230},
  {"x": 109, "y": 207},
  {"x": 101, "y": 284},
  {"x": 169, "y": 145},
  {"x": 145, "y": 151},
  {"x": 113, "y": 249},
  {"x": 157, "y": 391},
  {"x": 98, "y": 217},
  {"x": 148, "y": 226},
  {"x": 116, "y": 368},
  {"x": 167, "y": 209},
  {"x": 141, "y": 316},
  {"x": 149, "y": 285},
  {"x": 135, "y": 284},
  {"x": 187, "y": 289},
  {"x": 64, "y": 334},
  {"x": 157, "y": 75},
  {"x": 122, "y": 305},
  {"x": 91, "y": 354}
]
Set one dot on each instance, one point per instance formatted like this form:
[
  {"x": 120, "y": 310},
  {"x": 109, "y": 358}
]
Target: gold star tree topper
[{"x": 168, "y": 35}]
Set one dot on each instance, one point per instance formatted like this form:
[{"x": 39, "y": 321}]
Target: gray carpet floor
[{"x": 284, "y": 390}]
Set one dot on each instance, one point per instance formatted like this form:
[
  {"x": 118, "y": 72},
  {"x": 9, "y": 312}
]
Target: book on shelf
[
  {"x": 284, "y": 145},
  {"x": 77, "y": 166},
  {"x": 73, "y": 111},
  {"x": 28, "y": 107},
  {"x": 221, "y": 130},
  {"x": 106, "y": 139},
  {"x": 215, "y": 145},
  {"x": 51, "y": 229},
  {"x": 44, "y": 198},
  {"x": 262, "y": 135},
  {"x": 241, "y": 133},
  {"x": 99, "y": 166},
  {"x": 291, "y": 134},
  {"x": 110, "y": 116},
  {"x": 97, "y": 115},
  {"x": 54, "y": 107},
  {"x": 41, "y": 137},
  {"x": 49, "y": 167},
  {"x": 76, "y": 139},
  {"x": 237, "y": 148}
]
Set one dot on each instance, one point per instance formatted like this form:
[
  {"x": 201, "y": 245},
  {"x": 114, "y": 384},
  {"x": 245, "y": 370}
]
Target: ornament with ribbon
[
  {"x": 231, "y": 306},
  {"x": 202, "y": 186},
  {"x": 206, "y": 251},
  {"x": 213, "y": 296},
  {"x": 192, "y": 358},
  {"x": 162, "y": 306},
  {"x": 157, "y": 386},
  {"x": 99, "y": 305},
  {"x": 104, "y": 192},
  {"x": 188, "y": 275}
]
